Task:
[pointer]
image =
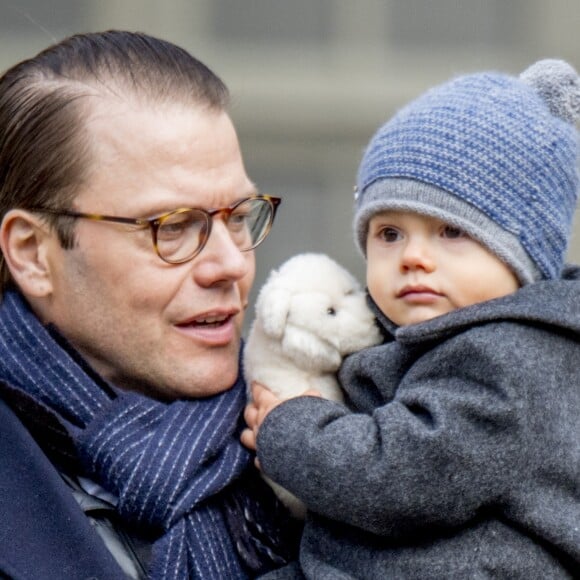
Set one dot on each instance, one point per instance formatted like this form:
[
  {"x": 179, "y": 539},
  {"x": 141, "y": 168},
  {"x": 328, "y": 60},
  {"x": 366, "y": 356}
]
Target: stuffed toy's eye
[{"x": 331, "y": 311}]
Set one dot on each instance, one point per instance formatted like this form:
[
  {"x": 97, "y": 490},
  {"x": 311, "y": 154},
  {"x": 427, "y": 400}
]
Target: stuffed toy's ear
[{"x": 272, "y": 309}]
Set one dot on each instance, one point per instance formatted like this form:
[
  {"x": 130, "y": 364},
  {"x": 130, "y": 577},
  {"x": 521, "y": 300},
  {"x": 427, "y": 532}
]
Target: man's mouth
[
  {"x": 211, "y": 321},
  {"x": 211, "y": 329}
]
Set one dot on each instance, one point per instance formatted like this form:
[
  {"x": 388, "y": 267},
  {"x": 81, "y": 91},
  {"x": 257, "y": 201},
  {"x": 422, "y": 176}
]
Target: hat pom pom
[{"x": 558, "y": 84}]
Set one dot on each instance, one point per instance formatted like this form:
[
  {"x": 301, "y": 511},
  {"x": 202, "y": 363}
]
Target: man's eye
[
  {"x": 390, "y": 235},
  {"x": 238, "y": 220},
  {"x": 452, "y": 233},
  {"x": 177, "y": 226}
]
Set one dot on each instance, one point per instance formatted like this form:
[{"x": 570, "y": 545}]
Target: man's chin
[
  {"x": 212, "y": 376},
  {"x": 188, "y": 383}
]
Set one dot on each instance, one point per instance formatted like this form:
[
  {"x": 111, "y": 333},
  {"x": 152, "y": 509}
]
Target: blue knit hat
[{"x": 507, "y": 151}]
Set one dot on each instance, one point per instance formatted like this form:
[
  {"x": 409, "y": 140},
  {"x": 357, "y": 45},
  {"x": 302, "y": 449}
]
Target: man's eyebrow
[{"x": 163, "y": 209}]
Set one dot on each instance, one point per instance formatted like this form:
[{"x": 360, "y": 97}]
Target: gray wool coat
[{"x": 459, "y": 456}]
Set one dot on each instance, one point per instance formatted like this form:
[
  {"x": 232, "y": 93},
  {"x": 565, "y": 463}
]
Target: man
[{"x": 124, "y": 291}]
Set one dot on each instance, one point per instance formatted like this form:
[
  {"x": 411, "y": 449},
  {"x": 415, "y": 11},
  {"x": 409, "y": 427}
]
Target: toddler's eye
[
  {"x": 452, "y": 233},
  {"x": 390, "y": 234}
]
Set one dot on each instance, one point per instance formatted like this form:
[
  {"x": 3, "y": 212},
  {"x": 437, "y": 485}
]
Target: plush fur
[{"x": 310, "y": 313}]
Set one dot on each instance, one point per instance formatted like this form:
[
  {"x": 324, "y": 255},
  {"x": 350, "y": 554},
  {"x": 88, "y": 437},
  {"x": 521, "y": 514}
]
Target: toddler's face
[{"x": 419, "y": 267}]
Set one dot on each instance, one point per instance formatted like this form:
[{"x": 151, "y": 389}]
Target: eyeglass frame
[{"x": 155, "y": 222}]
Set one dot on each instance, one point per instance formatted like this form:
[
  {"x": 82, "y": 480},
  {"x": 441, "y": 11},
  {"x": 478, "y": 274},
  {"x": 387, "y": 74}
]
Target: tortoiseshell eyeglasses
[{"x": 180, "y": 235}]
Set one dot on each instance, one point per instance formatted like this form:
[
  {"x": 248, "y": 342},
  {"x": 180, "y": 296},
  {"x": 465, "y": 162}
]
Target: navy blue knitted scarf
[{"x": 165, "y": 462}]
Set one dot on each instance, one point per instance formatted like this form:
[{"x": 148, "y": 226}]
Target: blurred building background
[{"x": 312, "y": 79}]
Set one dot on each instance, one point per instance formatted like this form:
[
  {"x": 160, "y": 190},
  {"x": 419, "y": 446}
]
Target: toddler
[{"x": 457, "y": 454}]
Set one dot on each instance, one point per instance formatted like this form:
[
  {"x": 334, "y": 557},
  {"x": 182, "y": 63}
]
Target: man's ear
[{"x": 25, "y": 241}]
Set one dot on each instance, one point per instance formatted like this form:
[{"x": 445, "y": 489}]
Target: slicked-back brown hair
[{"x": 44, "y": 142}]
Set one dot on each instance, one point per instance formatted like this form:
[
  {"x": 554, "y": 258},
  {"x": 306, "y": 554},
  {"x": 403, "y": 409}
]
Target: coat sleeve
[{"x": 449, "y": 441}]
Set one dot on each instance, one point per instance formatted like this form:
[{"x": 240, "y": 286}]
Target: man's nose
[{"x": 221, "y": 259}]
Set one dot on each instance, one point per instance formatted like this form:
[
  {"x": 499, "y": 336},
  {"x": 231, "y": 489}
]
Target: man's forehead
[{"x": 160, "y": 159}]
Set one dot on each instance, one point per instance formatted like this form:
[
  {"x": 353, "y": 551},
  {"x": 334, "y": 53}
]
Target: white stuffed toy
[{"x": 310, "y": 313}]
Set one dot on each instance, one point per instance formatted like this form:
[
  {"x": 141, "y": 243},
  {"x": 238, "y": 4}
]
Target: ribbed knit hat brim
[{"x": 425, "y": 199}]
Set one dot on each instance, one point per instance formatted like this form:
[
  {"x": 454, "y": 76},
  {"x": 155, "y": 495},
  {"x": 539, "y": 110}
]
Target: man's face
[{"x": 166, "y": 330}]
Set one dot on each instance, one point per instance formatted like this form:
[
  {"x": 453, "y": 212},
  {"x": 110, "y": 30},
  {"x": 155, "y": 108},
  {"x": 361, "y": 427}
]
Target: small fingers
[
  {"x": 251, "y": 416},
  {"x": 248, "y": 439}
]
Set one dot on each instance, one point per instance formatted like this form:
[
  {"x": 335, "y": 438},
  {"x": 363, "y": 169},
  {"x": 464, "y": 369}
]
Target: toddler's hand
[{"x": 263, "y": 401}]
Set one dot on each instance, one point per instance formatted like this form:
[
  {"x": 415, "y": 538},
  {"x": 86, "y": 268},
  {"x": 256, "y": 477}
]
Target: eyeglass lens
[{"x": 181, "y": 234}]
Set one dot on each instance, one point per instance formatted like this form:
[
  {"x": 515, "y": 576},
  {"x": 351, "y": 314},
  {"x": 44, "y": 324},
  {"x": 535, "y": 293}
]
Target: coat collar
[{"x": 554, "y": 303}]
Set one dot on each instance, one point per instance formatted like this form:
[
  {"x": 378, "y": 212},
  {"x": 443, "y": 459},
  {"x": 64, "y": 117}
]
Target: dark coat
[
  {"x": 44, "y": 535},
  {"x": 462, "y": 458}
]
